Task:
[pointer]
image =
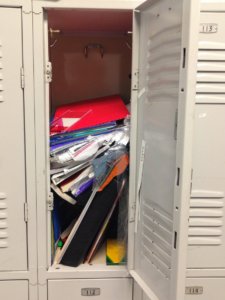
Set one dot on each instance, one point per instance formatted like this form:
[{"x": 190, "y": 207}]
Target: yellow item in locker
[{"x": 115, "y": 252}]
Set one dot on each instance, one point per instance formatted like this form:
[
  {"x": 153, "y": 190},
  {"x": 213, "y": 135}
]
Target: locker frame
[
  {"x": 30, "y": 274},
  {"x": 190, "y": 15}
]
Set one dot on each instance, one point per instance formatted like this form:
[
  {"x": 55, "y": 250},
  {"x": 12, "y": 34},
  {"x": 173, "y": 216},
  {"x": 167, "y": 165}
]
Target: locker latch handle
[{"x": 94, "y": 46}]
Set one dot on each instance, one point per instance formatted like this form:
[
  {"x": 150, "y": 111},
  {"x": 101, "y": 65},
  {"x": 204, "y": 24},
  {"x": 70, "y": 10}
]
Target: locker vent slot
[
  {"x": 157, "y": 237},
  {"x": 206, "y": 221},
  {"x": 1, "y": 73},
  {"x": 175, "y": 240},
  {"x": 3, "y": 197},
  {"x": 3, "y": 221},
  {"x": 210, "y": 73},
  {"x": 164, "y": 59}
]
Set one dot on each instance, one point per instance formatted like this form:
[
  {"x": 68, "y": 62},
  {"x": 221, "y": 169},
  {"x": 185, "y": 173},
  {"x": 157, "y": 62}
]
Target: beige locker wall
[{"x": 80, "y": 75}]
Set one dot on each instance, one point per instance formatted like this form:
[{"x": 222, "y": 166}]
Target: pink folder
[{"x": 88, "y": 113}]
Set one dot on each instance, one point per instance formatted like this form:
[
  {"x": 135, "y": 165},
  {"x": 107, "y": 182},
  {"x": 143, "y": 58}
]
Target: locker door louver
[
  {"x": 211, "y": 73},
  {"x": 1, "y": 73},
  {"x": 157, "y": 237},
  {"x": 3, "y": 221},
  {"x": 162, "y": 81},
  {"x": 164, "y": 59},
  {"x": 206, "y": 221}
]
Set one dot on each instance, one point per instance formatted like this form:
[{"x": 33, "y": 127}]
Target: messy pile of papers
[{"x": 89, "y": 161}]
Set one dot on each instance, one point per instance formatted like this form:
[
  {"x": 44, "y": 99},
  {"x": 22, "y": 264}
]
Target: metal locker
[
  {"x": 13, "y": 239},
  {"x": 162, "y": 122},
  {"x": 83, "y": 289},
  {"x": 206, "y": 224},
  {"x": 164, "y": 145},
  {"x": 163, "y": 109},
  {"x": 14, "y": 289},
  {"x": 170, "y": 265}
]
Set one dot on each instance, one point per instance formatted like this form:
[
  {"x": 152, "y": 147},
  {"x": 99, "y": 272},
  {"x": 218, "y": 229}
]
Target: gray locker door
[
  {"x": 164, "y": 146},
  {"x": 13, "y": 248}
]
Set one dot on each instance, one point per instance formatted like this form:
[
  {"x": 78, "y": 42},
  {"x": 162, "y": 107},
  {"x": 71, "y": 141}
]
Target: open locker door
[{"x": 165, "y": 102}]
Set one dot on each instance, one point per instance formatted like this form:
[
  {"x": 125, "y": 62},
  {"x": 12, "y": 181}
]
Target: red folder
[{"x": 88, "y": 113}]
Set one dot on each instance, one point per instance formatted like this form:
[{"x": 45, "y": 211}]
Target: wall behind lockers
[{"x": 76, "y": 77}]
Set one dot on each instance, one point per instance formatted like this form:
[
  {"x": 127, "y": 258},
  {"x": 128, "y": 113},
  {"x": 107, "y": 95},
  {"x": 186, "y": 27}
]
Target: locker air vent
[
  {"x": 162, "y": 68},
  {"x": 1, "y": 73},
  {"x": 3, "y": 221},
  {"x": 206, "y": 221},
  {"x": 157, "y": 237},
  {"x": 211, "y": 73},
  {"x": 164, "y": 59},
  {"x": 3, "y": 203}
]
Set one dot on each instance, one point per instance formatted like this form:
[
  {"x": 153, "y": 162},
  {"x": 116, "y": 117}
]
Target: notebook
[{"x": 88, "y": 113}]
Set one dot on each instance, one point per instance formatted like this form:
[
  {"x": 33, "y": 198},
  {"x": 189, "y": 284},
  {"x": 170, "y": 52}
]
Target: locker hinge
[
  {"x": 22, "y": 78},
  {"x": 48, "y": 72},
  {"x": 50, "y": 202},
  {"x": 135, "y": 80},
  {"x": 26, "y": 212}
]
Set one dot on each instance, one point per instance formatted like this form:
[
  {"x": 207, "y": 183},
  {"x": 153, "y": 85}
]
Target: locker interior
[{"x": 78, "y": 75}]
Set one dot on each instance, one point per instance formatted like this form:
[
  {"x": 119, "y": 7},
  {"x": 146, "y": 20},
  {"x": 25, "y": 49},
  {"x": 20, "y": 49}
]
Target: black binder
[{"x": 91, "y": 224}]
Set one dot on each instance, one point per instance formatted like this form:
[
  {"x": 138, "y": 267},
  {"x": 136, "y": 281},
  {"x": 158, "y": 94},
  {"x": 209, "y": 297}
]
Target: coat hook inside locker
[
  {"x": 94, "y": 46},
  {"x": 52, "y": 32}
]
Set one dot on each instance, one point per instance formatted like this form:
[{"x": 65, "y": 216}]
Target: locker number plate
[
  {"x": 90, "y": 292},
  {"x": 208, "y": 28},
  {"x": 194, "y": 290}
]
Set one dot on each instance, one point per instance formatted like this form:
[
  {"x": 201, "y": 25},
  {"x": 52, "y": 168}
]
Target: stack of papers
[{"x": 88, "y": 158}]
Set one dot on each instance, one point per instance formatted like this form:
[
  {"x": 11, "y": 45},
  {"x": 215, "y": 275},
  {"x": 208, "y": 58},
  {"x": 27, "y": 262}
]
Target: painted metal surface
[{"x": 13, "y": 237}]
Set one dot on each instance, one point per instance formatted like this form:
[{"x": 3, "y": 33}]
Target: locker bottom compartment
[
  {"x": 82, "y": 289},
  {"x": 205, "y": 289},
  {"x": 11, "y": 290}
]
